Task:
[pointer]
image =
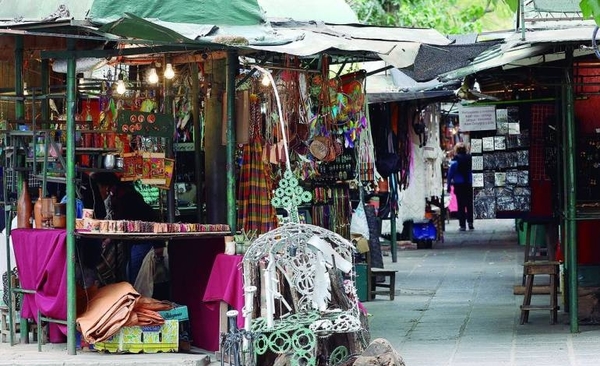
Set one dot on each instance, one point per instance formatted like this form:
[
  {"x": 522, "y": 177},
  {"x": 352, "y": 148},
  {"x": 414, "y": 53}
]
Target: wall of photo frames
[{"x": 501, "y": 166}]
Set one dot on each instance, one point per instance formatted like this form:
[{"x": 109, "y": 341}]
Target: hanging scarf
[
  {"x": 255, "y": 187},
  {"x": 366, "y": 150}
]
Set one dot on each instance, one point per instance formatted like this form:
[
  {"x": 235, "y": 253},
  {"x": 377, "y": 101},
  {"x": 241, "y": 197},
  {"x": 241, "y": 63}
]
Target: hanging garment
[
  {"x": 254, "y": 193},
  {"x": 154, "y": 270},
  {"x": 374, "y": 234}
]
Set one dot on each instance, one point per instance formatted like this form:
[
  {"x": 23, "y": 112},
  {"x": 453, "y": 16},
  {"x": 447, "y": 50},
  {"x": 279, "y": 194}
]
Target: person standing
[{"x": 460, "y": 177}]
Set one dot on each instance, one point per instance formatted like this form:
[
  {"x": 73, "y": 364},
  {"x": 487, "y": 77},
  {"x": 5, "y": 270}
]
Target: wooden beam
[{"x": 113, "y": 52}]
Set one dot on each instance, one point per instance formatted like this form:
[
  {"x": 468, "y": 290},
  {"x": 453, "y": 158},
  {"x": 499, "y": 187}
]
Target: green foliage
[
  {"x": 512, "y": 4},
  {"x": 590, "y": 9},
  {"x": 446, "y": 16}
]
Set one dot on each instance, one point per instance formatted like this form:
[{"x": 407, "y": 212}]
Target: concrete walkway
[{"x": 454, "y": 306}]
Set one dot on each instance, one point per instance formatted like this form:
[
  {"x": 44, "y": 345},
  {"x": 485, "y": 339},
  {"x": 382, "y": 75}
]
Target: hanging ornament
[{"x": 289, "y": 195}]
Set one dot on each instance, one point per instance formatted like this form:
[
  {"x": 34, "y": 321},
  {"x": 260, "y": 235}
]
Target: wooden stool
[
  {"x": 533, "y": 250},
  {"x": 389, "y": 284},
  {"x": 540, "y": 268}
]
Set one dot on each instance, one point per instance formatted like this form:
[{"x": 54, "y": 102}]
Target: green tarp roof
[{"x": 238, "y": 12}]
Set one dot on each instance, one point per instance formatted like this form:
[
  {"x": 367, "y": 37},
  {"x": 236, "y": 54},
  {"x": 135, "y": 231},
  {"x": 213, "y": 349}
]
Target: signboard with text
[{"x": 477, "y": 118}]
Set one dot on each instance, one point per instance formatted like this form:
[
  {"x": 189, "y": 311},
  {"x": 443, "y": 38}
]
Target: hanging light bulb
[
  {"x": 265, "y": 80},
  {"x": 121, "y": 88},
  {"x": 153, "y": 76},
  {"x": 169, "y": 71},
  {"x": 25, "y": 91}
]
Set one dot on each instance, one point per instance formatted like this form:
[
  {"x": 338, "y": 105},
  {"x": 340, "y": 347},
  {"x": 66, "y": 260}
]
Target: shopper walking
[{"x": 460, "y": 177}]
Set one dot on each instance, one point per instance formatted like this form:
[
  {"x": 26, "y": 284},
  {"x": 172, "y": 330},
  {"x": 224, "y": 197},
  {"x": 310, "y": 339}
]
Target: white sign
[
  {"x": 478, "y": 180},
  {"x": 477, "y": 162},
  {"x": 477, "y": 118},
  {"x": 476, "y": 146}
]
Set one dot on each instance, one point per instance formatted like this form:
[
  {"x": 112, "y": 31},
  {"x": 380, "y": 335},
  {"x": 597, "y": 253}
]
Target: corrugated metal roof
[
  {"x": 168, "y": 21},
  {"x": 557, "y": 6},
  {"x": 329, "y": 11},
  {"x": 431, "y": 95},
  {"x": 516, "y": 51},
  {"x": 396, "y": 46},
  {"x": 36, "y": 10}
]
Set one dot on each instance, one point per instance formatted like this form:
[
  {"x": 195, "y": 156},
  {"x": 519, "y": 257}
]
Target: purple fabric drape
[{"x": 41, "y": 256}]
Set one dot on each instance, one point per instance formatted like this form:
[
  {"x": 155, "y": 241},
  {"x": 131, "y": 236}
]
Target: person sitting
[{"x": 123, "y": 202}]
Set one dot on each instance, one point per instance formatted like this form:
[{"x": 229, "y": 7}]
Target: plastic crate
[
  {"x": 147, "y": 339},
  {"x": 424, "y": 230}
]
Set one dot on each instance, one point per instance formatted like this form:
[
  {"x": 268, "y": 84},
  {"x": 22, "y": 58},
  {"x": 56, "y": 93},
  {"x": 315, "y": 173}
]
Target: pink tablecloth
[
  {"x": 41, "y": 256},
  {"x": 226, "y": 284}
]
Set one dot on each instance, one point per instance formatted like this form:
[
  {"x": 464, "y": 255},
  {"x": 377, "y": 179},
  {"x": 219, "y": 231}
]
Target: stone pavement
[{"x": 454, "y": 306}]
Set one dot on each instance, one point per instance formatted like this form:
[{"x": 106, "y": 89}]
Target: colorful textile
[{"x": 255, "y": 187}]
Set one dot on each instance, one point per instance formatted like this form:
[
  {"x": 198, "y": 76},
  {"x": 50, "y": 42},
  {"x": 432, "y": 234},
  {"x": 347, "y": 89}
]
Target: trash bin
[{"x": 538, "y": 233}]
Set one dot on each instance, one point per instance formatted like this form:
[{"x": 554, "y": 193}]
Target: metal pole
[
  {"x": 570, "y": 181},
  {"x": 45, "y": 75},
  {"x": 393, "y": 191},
  {"x": 522, "y": 18},
  {"x": 19, "y": 103},
  {"x": 232, "y": 70},
  {"x": 8, "y": 208},
  {"x": 70, "y": 178},
  {"x": 168, "y": 100},
  {"x": 198, "y": 171},
  {"x": 19, "y": 116}
]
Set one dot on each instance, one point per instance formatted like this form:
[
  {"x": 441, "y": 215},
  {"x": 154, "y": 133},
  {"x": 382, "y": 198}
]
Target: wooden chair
[{"x": 388, "y": 286}]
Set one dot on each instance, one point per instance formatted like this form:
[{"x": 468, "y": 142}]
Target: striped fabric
[{"x": 255, "y": 211}]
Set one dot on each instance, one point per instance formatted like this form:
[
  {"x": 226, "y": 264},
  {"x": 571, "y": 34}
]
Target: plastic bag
[{"x": 359, "y": 224}]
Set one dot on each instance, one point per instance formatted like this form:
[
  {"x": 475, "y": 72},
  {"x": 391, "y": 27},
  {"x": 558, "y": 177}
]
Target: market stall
[{"x": 69, "y": 124}]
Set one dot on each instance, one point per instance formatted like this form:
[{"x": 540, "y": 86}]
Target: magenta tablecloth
[
  {"x": 190, "y": 263},
  {"x": 41, "y": 256},
  {"x": 226, "y": 284}
]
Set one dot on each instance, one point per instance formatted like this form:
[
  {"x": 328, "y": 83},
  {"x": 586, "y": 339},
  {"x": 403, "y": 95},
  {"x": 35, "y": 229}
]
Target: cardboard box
[{"x": 147, "y": 339}]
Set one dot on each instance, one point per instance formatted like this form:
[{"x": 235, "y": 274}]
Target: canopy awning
[{"x": 217, "y": 25}]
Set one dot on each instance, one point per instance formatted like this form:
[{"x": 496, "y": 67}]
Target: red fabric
[
  {"x": 190, "y": 265},
  {"x": 41, "y": 256},
  {"x": 226, "y": 283},
  {"x": 541, "y": 198},
  {"x": 587, "y": 246}
]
